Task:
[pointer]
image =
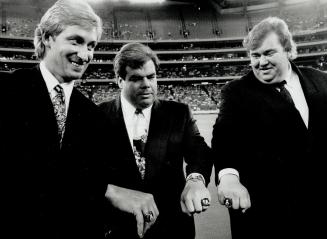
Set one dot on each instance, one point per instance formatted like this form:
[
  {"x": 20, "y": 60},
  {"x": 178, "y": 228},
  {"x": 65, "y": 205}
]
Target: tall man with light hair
[
  {"x": 51, "y": 132},
  {"x": 269, "y": 140}
]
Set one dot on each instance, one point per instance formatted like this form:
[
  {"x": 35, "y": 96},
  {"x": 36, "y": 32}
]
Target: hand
[
  {"x": 230, "y": 187},
  {"x": 194, "y": 191},
  {"x": 135, "y": 202}
]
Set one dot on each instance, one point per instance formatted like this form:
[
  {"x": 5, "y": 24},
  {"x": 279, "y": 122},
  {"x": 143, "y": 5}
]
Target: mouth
[
  {"x": 145, "y": 95},
  {"x": 264, "y": 70},
  {"x": 77, "y": 63}
]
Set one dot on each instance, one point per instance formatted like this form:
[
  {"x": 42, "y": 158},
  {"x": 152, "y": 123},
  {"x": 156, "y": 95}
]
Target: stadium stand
[{"x": 200, "y": 47}]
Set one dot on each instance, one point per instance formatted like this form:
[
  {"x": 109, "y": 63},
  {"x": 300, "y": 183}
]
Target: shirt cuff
[
  {"x": 228, "y": 171},
  {"x": 196, "y": 176}
]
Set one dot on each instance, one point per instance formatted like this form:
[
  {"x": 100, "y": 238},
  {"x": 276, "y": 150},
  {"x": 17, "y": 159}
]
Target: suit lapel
[
  {"x": 43, "y": 109},
  {"x": 125, "y": 151},
  {"x": 156, "y": 145},
  {"x": 275, "y": 102},
  {"x": 310, "y": 90}
]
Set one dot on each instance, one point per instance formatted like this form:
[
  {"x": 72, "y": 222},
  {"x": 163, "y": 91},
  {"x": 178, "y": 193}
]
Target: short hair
[
  {"x": 62, "y": 14},
  {"x": 134, "y": 55},
  {"x": 271, "y": 24}
]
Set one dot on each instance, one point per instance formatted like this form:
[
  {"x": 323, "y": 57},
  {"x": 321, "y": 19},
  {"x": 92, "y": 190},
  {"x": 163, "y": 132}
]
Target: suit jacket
[
  {"x": 53, "y": 192},
  {"x": 278, "y": 158},
  {"x": 173, "y": 136}
]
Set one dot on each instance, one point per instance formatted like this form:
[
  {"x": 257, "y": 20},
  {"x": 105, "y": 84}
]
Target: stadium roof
[{"x": 221, "y": 3}]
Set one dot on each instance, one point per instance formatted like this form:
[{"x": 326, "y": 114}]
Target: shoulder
[
  {"x": 309, "y": 71},
  {"x": 240, "y": 85},
  {"x": 171, "y": 106},
  {"x": 109, "y": 106},
  {"x": 318, "y": 76},
  {"x": 85, "y": 104}
]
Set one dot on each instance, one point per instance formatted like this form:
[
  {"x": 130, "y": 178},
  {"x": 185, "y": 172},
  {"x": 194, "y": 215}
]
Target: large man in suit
[
  {"x": 54, "y": 185},
  {"x": 270, "y": 137},
  {"x": 151, "y": 180}
]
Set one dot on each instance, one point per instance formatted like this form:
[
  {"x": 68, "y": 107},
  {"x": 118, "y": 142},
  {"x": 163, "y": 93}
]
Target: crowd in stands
[
  {"x": 191, "y": 71},
  {"x": 185, "y": 22},
  {"x": 200, "y": 97}
]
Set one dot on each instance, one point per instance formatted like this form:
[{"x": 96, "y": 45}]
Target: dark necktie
[
  {"x": 60, "y": 110},
  {"x": 284, "y": 92},
  {"x": 140, "y": 134}
]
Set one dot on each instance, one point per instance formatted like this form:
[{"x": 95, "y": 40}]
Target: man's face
[
  {"x": 69, "y": 54},
  {"x": 270, "y": 61},
  {"x": 140, "y": 85}
]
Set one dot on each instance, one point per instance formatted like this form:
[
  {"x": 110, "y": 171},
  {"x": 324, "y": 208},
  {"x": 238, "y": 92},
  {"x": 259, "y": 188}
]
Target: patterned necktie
[
  {"x": 140, "y": 134},
  {"x": 60, "y": 110},
  {"x": 284, "y": 92}
]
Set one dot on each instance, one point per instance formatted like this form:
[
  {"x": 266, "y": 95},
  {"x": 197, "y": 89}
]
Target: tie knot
[
  {"x": 280, "y": 85},
  {"x": 60, "y": 93},
  {"x": 58, "y": 89},
  {"x": 138, "y": 111}
]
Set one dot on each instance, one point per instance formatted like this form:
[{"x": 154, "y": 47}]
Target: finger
[
  {"x": 184, "y": 209},
  {"x": 155, "y": 210},
  {"x": 221, "y": 197},
  {"x": 189, "y": 206},
  {"x": 147, "y": 226},
  {"x": 236, "y": 202},
  {"x": 245, "y": 203},
  {"x": 140, "y": 224},
  {"x": 197, "y": 205}
]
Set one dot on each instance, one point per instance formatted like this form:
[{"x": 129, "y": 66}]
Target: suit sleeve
[
  {"x": 229, "y": 132},
  {"x": 196, "y": 151}
]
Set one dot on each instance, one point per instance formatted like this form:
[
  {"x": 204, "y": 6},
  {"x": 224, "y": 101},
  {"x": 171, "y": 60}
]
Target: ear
[
  {"x": 120, "y": 82},
  {"x": 47, "y": 40}
]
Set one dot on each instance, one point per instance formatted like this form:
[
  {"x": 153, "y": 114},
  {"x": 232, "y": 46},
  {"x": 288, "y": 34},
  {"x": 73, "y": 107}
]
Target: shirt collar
[
  {"x": 51, "y": 81},
  {"x": 288, "y": 74},
  {"x": 129, "y": 109}
]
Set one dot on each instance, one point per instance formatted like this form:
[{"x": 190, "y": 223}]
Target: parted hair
[
  {"x": 271, "y": 24},
  {"x": 62, "y": 14},
  {"x": 134, "y": 55}
]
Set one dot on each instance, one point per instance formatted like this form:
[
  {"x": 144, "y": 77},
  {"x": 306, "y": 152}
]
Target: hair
[
  {"x": 271, "y": 24},
  {"x": 62, "y": 14},
  {"x": 134, "y": 55}
]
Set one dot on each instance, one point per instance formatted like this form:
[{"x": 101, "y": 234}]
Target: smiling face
[
  {"x": 69, "y": 53},
  {"x": 140, "y": 85},
  {"x": 270, "y": 61}
]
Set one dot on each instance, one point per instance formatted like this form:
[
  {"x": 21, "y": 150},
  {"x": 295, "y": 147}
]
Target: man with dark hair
[
  {"x": 270, "y": 137},
  {"x": 149, "y": 194},
  {"x": 50, "y": 132}
]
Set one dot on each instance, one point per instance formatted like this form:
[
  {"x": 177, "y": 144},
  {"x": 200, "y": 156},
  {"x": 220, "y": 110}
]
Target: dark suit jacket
[
  {"x": 173, "y": 136},
  {"x": 52, "y": 192},
  {"x": 278, "y": 158}
]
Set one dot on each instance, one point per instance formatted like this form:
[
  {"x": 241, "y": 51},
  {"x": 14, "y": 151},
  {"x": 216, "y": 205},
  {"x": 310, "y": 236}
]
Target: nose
[
  {"x": 263, "y": 60},
  {"x": 84, "y": 53},
  {"x": 145, "y": 82}
]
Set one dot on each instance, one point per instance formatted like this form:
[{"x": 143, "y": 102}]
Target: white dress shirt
[
  {"x": 293, "y": 85},
  {"x": 130, "y": 120},
  {"x": 51, "y": 82},
  {"x": 130, "y": 117}
]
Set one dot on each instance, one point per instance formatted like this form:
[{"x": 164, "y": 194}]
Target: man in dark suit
[
  {"x": 150, "y": 180},
  {"x": 54, "y": 187},
  {"x": 270, "y": 137}
]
